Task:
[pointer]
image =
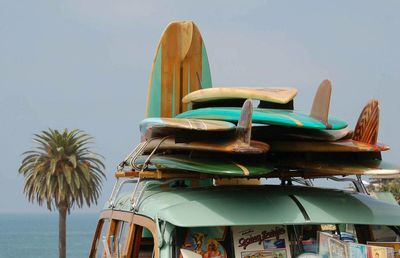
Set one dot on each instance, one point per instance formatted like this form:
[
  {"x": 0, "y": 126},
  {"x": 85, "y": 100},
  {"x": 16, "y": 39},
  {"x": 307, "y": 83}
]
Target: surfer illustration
[
  {"x": 212, "y": 249},
  {"x": 198, "y": 240}
]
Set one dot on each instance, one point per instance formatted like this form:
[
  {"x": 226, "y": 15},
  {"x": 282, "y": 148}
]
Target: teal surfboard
[
  {"x": 265, "y": 116},
  {"x": 223, "y": 167}
]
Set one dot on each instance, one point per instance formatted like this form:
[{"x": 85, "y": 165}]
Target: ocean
[{"x": 36, "y": 235}]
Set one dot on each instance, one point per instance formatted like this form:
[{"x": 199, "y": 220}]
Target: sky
[{"x": 86, "y": 64}]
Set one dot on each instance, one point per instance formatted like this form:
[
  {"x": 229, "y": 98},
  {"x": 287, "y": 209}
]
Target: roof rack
[{"x": 137, "y": 194}]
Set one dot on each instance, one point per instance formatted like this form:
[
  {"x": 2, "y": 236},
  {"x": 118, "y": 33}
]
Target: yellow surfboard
[{"x": 275, "y": 95}]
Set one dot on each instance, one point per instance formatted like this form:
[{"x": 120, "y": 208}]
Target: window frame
[{"x": 135, "y": 222}]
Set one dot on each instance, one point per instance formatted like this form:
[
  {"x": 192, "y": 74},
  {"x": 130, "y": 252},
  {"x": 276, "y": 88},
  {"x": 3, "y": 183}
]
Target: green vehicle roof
[{"x": 267, "y": 204}]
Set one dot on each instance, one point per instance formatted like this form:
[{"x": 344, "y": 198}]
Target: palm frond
[{"x": 62, "y": 168}]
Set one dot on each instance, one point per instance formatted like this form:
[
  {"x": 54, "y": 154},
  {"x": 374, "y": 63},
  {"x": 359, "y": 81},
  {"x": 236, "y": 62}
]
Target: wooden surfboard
[
  {"x": 240, "y": 142},
  {"x": 275, "y": 95},
  {"x": 364, "y": 138},
  {"x": 229, "y": 146},
  {"x": 180, "y": 66},
  {"x": 348, "y": 145},
  {"x": 266, "y": 116},
  {"x": 339, "y": 167},
  {"x": 368, "y": 123},
  {"x": 165, "y": 123}
]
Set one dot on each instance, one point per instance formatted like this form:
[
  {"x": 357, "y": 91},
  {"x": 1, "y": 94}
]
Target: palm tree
[{"x": 62, "y": 172}]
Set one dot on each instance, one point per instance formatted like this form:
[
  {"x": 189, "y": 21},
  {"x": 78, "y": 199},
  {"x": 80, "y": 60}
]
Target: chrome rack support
[
  {"x": 146, "y": 186},
  {"x": 303, "y": 181},
  {"x": 359, "y": 179},
  {"x": 117, "y": 187},
  {"x": 147, "y": 161},
  {"x": 138, "y": 149},
  {"x": 359, "y": 185}
]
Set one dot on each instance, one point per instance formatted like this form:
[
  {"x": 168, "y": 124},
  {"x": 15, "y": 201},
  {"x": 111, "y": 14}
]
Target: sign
[
  {"x": 323, "y": 242},
  {"x": 394, "y": 245},
  {"x": 205, "y": 241},
  {"x": 357, "y": 250},
  {"x": 376, "y": 251},
  {"x": 265, "y": 241},
  {"x": 337, "y": 248}
]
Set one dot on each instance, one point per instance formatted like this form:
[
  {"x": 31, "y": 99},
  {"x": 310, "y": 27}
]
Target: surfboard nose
[
  {"x": 180, "y": 34},
  {"x": 180, "y": 66}
]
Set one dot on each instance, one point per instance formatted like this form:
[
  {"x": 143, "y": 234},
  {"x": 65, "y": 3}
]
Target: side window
[
  {"x": 116, "y": 237},
  {"x": 122, "y": 235},
  {"x": 110, "y": 239},
  {"x": 99, "y": 248},
  {"x": 143, "y": 243},
  {"x": 383, "y": 234}
]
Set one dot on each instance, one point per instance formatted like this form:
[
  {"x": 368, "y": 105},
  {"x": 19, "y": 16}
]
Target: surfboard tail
[
  {"x": 321, "y": 103},
  {"x": 243, "y": 128},
  {"x": 367, "y": 126}
]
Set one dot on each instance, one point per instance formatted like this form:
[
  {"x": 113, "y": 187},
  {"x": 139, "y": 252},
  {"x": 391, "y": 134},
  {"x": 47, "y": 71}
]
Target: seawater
[{"x": 36, "y": 235}]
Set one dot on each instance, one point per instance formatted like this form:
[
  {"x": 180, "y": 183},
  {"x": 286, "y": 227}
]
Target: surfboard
[
  {"x": 321, "y": 102},
  {"x": 240, "y": 142},
  {"x": 266, "y": 116},
  {"x": 271, "y": 94},
  {"x": 348, "y": 145},
  {"x": 289, "y": 167},
  {"x": 338, "y": 167},
  {"x": 368, "y": 123},
  {"x": 180, "y": 66},
  {"x": 363, "y": 138},
  {"x": 273, "y": 133},
  {"x": 223, "y": 167},
  {"x": 165, "y": 123},
  {"x": 229, "y": 146}
]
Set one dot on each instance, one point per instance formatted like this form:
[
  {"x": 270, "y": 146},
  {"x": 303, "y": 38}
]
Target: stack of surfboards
[{"x": 194, "y": 128}]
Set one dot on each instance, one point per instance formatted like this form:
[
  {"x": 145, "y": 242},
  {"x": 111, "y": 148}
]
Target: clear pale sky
[{"x": 86, "y": 64}]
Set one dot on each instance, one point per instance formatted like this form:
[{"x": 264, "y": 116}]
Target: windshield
[{"x": 282, "y": 241}]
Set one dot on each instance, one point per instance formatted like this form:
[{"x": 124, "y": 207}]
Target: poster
[
  {"x": 394, "y": 245},
  {"x": 337, "y": 248},
  {"x": 376, "y": 251},
  {"x": 323, "y": 239},
  {"x": 261, "y": 241},
  {"x": 357, "y": 250},
  {"x": 205, "y": 241}
]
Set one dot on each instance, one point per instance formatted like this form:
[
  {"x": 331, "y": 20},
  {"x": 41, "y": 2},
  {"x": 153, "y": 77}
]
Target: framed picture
[
  {"x": 357, "y": 250},
  {"x": 323, "y": 241},
  {"x": 376, "y": 251},
  {"x": 392, "y": 245},
  {"x": 267, "y": 241},
  {"x": 206, "y": 241},
  {"x": 337, "y": 248}
]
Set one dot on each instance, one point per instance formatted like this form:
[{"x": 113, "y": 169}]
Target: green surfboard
[
  {"x": 223, "y": 167},
  {"x": 265, "y": 116},
  {"x": 275, "y": 167}
]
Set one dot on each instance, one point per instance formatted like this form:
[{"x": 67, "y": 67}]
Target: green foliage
[
  {"x": 392, "y": 186},
  {"x": 61, "y": 170}
]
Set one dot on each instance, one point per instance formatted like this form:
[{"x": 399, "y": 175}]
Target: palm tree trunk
[{"x": 62, "y": 231}]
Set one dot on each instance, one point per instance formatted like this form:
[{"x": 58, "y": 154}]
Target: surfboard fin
[
  {"x": 321, "y": 103},
  {"x": 367, "y": 126},
  {"x": 243, "y": 128}
]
